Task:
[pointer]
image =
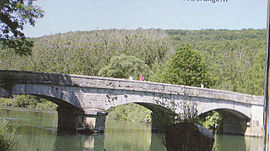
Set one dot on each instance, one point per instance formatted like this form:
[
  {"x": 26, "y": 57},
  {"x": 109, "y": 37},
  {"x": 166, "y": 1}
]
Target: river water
[{"x": 36, "y": 131}]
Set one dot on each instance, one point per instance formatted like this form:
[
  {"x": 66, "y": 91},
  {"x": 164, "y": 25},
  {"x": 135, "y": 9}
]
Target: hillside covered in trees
[
  {"x": 220, "y": 59},
  {"x": 235, "y": 58}
]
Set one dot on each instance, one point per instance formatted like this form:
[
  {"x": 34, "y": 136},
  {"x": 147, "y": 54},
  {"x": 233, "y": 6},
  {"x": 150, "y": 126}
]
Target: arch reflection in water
[
  {"x": 122, "y": 135},
  {"x": 79, "y": 143},
  {"x": 119, "y": 136},
  {"x": 236, "y": 142}
]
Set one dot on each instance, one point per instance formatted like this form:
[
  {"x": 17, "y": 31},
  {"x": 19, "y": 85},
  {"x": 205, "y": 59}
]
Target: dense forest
[
  {"x": 235, "y": 58},
  {"x": 220, "y": 59}
]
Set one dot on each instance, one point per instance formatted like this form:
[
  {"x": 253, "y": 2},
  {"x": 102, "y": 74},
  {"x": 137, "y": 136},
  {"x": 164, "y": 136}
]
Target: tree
[
  {"x": 186, "y": 67},
  {"x": 124, "y": 66},
  {"x": 258, "y": 74},
  {"x": 211, "y": 120},
  {"x": 14, "y": 14}
]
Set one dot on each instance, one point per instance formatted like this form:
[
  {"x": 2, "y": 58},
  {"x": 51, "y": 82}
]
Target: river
[{"x": 36, "y": 131}]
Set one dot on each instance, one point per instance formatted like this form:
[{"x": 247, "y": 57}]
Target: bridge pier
[
  {"x": 87, "y": 121},
  {"x": 254, "y": 128},
  {"x": 242, "y": 127},
  {"x": 95, "y": 120},
  {"x": 69, "y": 120},
  {"x": 234, "y": 126},
  {"x": 161, "y": 119}
]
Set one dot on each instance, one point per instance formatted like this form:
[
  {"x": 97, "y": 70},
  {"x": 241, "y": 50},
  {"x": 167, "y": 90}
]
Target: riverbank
[
  {"x": 27, "y": 101},
  {"x": 22, "y": 109}
]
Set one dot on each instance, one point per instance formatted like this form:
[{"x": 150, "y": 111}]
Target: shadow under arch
[
  {"x": 161, "y": 116},
  {"x": 236, "y": 111},
  {"x": 59, "y": 102},
  {"x": 233, "y": 121}
]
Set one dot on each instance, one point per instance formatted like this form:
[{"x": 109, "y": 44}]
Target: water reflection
[
  {"x": 225, "y": 143},
  {"x": 34, "y": 139},
  {"x": 254, "y": 144},
  {"x": 131, "y": 138},
  {"x": 237, "y": 143},
  {"x": 79, "y": 143},
  {"x": 36, "y": 131},
  {"x": 157, "y": 142},
  {"x": 39, "y": 139}
]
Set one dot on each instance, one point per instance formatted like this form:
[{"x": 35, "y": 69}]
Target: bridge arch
[
  {"x": 56, "y": 94},
  {"x": 236, "y": 111},
  {"x": 233, "y": 121},
  {"x": 161, "y": 116},
  {"x": 70, "y": 113},
  {"x": 70, "y": 117}
]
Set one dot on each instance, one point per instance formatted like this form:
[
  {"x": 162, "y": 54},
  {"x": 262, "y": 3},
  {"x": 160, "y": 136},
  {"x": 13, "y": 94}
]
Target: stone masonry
[{"x": 84, "y": 100}]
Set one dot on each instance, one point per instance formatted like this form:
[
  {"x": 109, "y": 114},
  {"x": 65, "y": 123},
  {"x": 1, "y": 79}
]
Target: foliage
[
  {"x": 13, "y": 15},
  {"x": 186, "y": 67},
  {"x": 130, "y": 112},
  {"x": 235, "y": 58},
  {"x": 124, "y": 66},
  {"x": 7, "y": 135},
  {"x": 27, "y": 101},
  {"x": 257, "y": 74},
  {"x": 85, "y": 53},
  {"x": 157, "y": 71},
  {"x": 232, "y": 65},
  {"x": 207, "y": 35},
  {"x": 210, "y": 120}
]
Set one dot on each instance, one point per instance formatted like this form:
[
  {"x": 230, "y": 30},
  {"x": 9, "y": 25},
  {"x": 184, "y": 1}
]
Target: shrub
[{"x": 7, "y": 135}]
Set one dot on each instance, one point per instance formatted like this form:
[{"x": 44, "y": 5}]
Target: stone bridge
[{"x": 84, "y": 100}]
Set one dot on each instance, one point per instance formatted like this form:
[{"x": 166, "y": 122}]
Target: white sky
[{"x": 85, "y": 15}]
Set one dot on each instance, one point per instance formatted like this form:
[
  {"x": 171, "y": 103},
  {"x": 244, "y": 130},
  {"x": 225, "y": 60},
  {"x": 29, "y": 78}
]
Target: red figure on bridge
[{"x": 141, "y": 78}]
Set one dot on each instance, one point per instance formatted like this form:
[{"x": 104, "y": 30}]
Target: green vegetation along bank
[
  {"x": 27, "y": 101},
  {"x": 7, "y": 135}
]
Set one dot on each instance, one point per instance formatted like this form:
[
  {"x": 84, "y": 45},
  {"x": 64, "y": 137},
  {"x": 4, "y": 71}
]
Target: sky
[{"x": 63, "y": 16}]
